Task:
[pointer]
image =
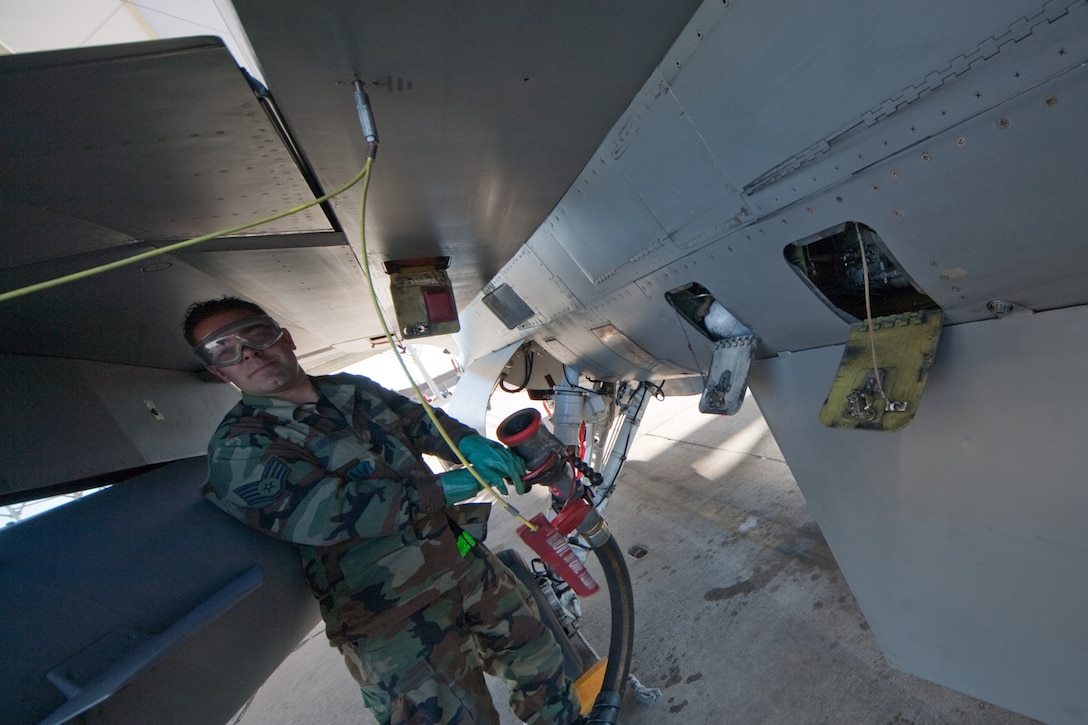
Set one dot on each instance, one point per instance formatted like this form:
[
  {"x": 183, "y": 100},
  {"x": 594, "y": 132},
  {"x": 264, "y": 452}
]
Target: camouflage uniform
[{"x": 415, "y": 617}]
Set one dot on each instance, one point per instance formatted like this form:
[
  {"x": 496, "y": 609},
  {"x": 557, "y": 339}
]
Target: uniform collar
[{"x": 340, "y": 395}]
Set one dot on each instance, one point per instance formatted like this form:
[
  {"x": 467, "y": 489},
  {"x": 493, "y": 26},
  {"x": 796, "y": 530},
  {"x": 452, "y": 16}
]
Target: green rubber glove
[
  {"x": 458, "y": 485},
  {"x": 496, "y": 458},
  {"x": 495, "y": 478}
]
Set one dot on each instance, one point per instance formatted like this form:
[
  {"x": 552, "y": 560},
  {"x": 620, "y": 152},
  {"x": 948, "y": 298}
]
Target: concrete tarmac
[{"x": 742, "y": 615}]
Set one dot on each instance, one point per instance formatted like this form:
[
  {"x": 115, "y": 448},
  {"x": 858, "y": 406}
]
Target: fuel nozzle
[
  {"x": 546, "y": 458},
  {"x": 548, "y": 462}
]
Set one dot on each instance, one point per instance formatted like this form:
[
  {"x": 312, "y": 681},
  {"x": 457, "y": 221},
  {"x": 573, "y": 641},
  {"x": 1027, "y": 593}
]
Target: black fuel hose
[{"x": 606, "y": 708}]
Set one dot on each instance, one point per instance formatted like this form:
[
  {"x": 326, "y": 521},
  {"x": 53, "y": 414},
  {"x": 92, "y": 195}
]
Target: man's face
[{"x": 260, "y": 372}]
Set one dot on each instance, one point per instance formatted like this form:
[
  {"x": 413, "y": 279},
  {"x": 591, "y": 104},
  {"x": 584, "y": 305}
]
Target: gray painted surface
[
  {"x": 88, "y": 584},
  {"x": 72, "y": 419},
  {"x": 962, "y": 536},
  {"x": 971, "y": 176}
]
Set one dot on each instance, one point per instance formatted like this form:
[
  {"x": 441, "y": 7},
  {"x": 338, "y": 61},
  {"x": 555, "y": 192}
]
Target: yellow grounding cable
[
  {"x": 84, "y": 274},
  {"x": 400, "y": 358}
]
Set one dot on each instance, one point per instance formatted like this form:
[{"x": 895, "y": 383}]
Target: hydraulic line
[
  {"x": 606, "y": 709},
  {"x": 548, "y": 460},
  {"x": 632, "y": 418}
]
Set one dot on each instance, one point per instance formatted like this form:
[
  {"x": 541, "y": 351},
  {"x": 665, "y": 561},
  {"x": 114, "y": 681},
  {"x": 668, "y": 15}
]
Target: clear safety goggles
[{"x": 224, "y": 346}]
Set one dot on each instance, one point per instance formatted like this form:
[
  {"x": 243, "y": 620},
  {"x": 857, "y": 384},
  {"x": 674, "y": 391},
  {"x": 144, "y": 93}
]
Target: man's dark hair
[{"x": 200, "y": 311}]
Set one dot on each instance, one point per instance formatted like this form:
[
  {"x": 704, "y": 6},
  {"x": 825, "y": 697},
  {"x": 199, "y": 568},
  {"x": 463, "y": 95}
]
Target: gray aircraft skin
[{"x": 598, "y": 175}]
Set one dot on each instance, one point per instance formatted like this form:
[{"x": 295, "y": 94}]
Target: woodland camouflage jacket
[{"x": 343, "y": 479}]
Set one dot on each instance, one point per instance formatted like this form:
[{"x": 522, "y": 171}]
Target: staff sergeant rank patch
[{"x": 268, "y": 488}]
